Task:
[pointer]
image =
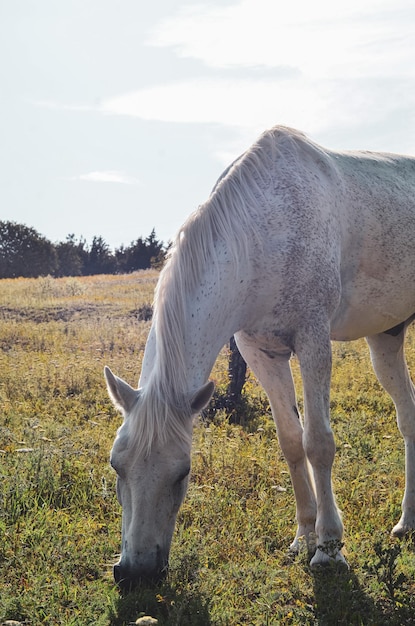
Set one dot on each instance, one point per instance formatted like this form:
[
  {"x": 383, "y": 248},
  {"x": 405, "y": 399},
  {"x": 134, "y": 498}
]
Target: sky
[{"x": 118, "y": 116}]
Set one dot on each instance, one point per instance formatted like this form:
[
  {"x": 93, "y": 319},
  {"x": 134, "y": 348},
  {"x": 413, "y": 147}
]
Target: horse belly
[{"x": 371, "y": 307}]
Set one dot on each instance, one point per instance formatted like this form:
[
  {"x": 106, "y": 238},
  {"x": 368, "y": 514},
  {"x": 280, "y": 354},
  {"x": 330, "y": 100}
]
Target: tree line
[{"x": 26, "y": 253}]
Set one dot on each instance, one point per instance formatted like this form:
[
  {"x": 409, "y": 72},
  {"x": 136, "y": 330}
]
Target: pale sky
[{"x": 117, "y": 116}]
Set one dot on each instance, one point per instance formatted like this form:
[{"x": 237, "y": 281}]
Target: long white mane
[{"x": 230, "y": 216}]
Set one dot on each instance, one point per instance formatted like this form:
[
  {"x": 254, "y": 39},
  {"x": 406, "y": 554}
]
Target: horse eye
[
  {"x": 115, "y": 467},
  {"x": 183, "y": 475}
]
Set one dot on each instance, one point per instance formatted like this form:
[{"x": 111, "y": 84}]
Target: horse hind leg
[
  {"x": 387, "y": 354},
  {"x": 274, "y": 373}
]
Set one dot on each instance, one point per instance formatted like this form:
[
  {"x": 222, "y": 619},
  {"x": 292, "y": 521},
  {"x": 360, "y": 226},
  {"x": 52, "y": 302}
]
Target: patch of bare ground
[{"x": 62, "y": 313}]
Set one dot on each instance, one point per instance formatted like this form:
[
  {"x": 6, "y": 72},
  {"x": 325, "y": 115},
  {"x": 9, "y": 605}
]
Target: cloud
[
  {"x": 230, "y": 102},
  {"x": 320, "y": 38},
  {"x": 317, "y": 66},
  {"x": 108, "y": 176},
  {"x": 312, "y": 104}
]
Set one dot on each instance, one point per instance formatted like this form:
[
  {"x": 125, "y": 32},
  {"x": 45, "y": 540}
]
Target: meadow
[{"x": 60, "y": 521}]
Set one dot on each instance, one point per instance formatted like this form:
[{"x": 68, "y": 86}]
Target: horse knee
[
  {"x": 406, "y": 423},
  {"x": 320, "y": 448},
  {"x": 292, "y": 446}
]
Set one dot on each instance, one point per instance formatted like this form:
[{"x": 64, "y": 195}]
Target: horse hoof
[
  {"x": 402, "y": 528},
  {"x": 322, "y": 560},
  {"x": 302, "y": 544}
]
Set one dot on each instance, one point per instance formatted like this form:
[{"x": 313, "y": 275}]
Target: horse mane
[{"x": 231, "y": 216}]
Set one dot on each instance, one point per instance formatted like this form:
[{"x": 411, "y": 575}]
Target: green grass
[{"x": 60, "y": 521}]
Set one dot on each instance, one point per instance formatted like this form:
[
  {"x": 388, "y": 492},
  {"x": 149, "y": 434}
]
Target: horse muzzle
[{"x": 127, "y": 577}]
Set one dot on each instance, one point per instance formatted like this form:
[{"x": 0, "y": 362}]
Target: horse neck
[
  {"x": 212, "y": 320},
  {"x": 183, "y": 344}
]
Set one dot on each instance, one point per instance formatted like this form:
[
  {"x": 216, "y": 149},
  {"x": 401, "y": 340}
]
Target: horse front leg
[
  {"x": 274, "y": 373},
  {"x": 314, "y": 354}
]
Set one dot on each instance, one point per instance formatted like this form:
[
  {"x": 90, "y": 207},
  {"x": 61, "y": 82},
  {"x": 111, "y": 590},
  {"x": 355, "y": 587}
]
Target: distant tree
[
  {"x": 140, "y": 254},
  {"x": 156, "y": 250},
  {"x": 121, "y": 258},
  {"x": 72, "y": 256},
  {"x": 24, "y": 252},
  {"x": 137, "y": 256},
  {"x": 100, "y": 258}
]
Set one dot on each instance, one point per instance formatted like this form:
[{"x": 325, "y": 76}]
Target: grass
[{"x": 60, "y": 521}]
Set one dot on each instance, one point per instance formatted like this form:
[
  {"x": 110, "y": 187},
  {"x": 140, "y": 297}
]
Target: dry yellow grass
[{"x": 60, "y": 522}]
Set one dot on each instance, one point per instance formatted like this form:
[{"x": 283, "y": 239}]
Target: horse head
[{"x": 152, "y": 481}]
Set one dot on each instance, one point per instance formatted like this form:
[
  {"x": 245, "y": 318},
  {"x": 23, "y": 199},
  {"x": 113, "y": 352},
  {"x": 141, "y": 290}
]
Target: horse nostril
[
  {"x": 122, "y": 579},
  {"x": 117, "y": 573}
]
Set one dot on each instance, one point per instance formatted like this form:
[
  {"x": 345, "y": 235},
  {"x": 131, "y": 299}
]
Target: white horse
[{"x": 296, "y": 246}]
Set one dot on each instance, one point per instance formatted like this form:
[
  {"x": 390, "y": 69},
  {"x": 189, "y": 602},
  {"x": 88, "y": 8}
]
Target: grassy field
[{"x": 60, "y": 521}]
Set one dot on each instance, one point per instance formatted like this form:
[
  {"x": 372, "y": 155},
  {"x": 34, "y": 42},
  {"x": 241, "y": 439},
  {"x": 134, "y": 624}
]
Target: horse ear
[
  {"x": 202, "y": 397},
  {"x": 122, "y": 395}
]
